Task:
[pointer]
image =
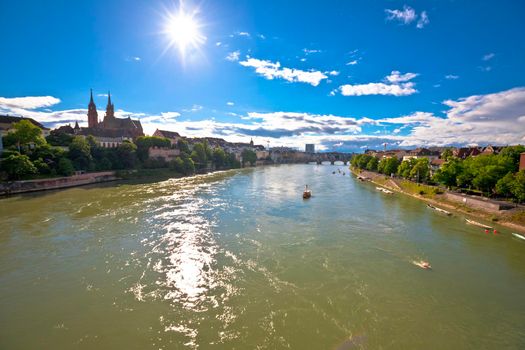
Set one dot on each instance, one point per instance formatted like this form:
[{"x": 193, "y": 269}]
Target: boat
[
  {"x": 384, "y": 190},
  {"x": 517, "y": 235},
  {"x": 423, "y": 264},
  {"x": 307, "y": 193},
  {"x": 475, "y": 223},
  {"x": 443, "y": 211}
]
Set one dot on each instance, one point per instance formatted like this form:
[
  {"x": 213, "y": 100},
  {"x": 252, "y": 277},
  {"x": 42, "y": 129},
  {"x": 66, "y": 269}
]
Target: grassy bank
[{"x": 514, "y": 218}]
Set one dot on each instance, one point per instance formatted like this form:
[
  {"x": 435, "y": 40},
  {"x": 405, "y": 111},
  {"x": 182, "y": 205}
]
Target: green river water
[{"x": 238, "y": 260}]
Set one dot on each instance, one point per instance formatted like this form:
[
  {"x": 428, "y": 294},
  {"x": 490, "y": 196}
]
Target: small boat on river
[
  {"x": 443, "y": 211},
  {"x": 423, "y": 264},
  {"x": 475, "y": 223},
  {"x": 517, "y": 235},
  {"x": 384, "y": 190},
  {"x": 307, "y": 193}
]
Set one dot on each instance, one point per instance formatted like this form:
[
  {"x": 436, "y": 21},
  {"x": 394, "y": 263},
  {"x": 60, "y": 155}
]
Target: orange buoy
[
  {"x": 495, "y": 232},
  {"x": 486, "y": 231}
]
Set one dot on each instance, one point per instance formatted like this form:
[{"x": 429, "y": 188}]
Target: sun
[{"x": 183, "y": 32}]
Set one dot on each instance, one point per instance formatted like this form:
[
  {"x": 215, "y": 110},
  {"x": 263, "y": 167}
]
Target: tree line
[
  {"x": 27, "y": 154},
  {"x": 493, "y": 175}
]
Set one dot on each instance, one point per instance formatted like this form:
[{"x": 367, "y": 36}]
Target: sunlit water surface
[{"x": 238, "y": 260}]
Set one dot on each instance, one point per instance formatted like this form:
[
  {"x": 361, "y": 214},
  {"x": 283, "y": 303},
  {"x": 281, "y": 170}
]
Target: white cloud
[
  {"x": 29, "y": 102},
  {"x": 271, "y": 70},
  {"x": 451, "y": 77},
  {"x": 378, "y": 89},
  {"x": 396, "y": 77},
  {"x": 229, "y": 103},
  {"x": 423, "y": 20},
  {"x": 397, "y": 84},
  {"x": 488, "y": 56},
  {"x": 492, "y": 118},
  {"x": 218, "y": 43},
  {"x": 310, "y": 51},
  {"x": 233, "y": 56},
  {"x": 246, "y": 34},
  {"x": 406, "y": 16},
  {"x": 333, "y": 73},
  {"x": 194, "y": 108},
  {"x": 352, "y": 63}
]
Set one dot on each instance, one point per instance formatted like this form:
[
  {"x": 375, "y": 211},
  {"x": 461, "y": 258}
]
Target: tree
[
  {"x": 127, "y": 153},
  {"x": 421, "y": 170},
  {"x": 23, "y": 135},
  {"x": 59, "y": 139},
  {"x": 449, "y": 172},
  {"x": 219, "y": 157},
  {"x": 248, "y": 156},
  {"x": 447, "y": 154},
  {"x": 183, "y": 146},
  {"x": 505, "y": 184},
  {"x": 405, "y": 167},
  {"x": 388, "y": 166},
  {"x": 372, "y": 164},
  {"x": 80, "y": 153},
  {"x": 189, "y": 166},
  {"x": 17, "y": 166},
  {"x": 178, "y": 165},
  {"x": 518, "y": 188},
  {"x": 65, "y": 167},
  {"x": 199, "y": 155}
]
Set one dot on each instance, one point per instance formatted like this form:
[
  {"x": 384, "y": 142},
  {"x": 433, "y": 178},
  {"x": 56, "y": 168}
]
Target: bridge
[
  {"x": 331, "y": 157},
  {"x": 292, "y": 156}
]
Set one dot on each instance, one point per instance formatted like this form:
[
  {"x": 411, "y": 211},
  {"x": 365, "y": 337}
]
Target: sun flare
[{"x": 183, "y": 31}]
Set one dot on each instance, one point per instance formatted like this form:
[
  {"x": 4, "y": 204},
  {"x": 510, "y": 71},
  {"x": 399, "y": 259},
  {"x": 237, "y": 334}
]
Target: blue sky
[{"x": 345, "y": 75}]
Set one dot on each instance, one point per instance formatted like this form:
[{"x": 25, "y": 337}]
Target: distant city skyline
[{"x": 343, "y": 76}]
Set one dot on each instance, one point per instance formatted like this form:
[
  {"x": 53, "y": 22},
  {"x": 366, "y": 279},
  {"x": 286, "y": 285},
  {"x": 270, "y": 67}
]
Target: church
[{"x": 111, "y": 131}]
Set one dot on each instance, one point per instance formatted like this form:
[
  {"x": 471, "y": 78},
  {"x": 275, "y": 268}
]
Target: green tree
[
  {"x": 24, "y": 135},
  {"x": 183, "y": 146},
  {"x": 177, "y": 165},
  {"x": 189, "y": 166},
  {"x": 372, "y": 164},
  {"x": 127, "y": 153},
  {"x": 505, "y": 184},
  {"x": 80, "y": 153},
  {"x": 65, "y": 167},
  {"x": 388, "y": 166},
  {"x": 219, "y": 157},
  {"x": 449, "y": 172},
  {"x": 405, "y": 167},
  {"x": 518, "y": 188},
  {"x": 421, "y": 170},
  {"x": 248, "y": 156},
  {"x": 199, "y": 156},
  {"x": 17, "y": 166},
  {"x": 447, "y": 154},
  {"x": 59, "y": 139}
]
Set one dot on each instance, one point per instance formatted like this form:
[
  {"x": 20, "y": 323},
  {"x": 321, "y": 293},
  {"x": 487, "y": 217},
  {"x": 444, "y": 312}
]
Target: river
[{"x": 238, "y": 260}]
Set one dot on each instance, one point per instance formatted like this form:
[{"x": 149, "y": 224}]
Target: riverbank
[
  {"x": 16, "y": 187},
  {"x": 511, "y": 218}
]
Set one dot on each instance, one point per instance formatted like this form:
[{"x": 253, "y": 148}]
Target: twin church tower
[{"x": 125, "y": 126}]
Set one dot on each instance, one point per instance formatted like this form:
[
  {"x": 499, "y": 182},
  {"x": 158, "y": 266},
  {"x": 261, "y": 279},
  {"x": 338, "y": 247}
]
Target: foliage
[
  {"x": 420, "y": 171},
  {"x": 248, "y": 156},
  {"x": 24, "y": 135},
  {"x": 388, "y": 166},
  {"x": 17, "y": 166},
  {"x": 65, "y": 167},
  {"x": 518, "y": 187},
  {"x": 80, "y": 153},
  {"x": 372, "y": 164},
  {"x": 59, "y": 139},
  {"x": 145, "y": 142},
  {"x": 219, "y": 157},
  {"x": 127, "y": 154}
]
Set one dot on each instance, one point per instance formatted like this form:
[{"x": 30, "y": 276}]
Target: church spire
[
  {"x": 110, "y": 109},
  {"x": 92, "y": 112}
]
